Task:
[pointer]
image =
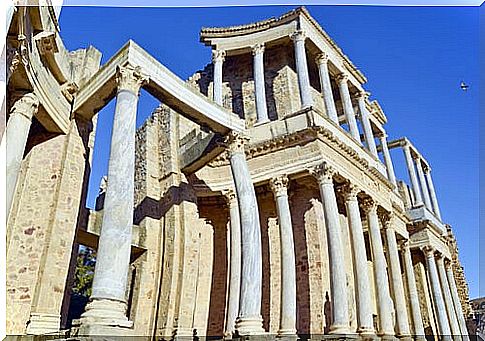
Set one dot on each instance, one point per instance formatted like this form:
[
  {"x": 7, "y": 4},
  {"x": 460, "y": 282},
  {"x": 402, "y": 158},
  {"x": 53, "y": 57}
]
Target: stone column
[
  {"x": 387, "y": 159},
  {"x": 413, "y": 292},
  {"x": 364, "y": 116},
  {"x": 108, "y": 301},
  {"x": 343, "y": 85},
  {"x": 384, "y": 302},
  {"x": 259, "y": 85},
  {"x": 17, "y": 131},
  {"x": 326, "y": 85},
  {"x": 363, "y": 288},
  {"x": 450, "y": 308},
  {"x": 434, "y": 199},
  {"x": 424, "y": 186},
  {"x": 397, "y": 284},
  {"x": 338, "y": 283},
  {"x": 439, "y": 303},
  {"x": 249, "y": 321},
  {"x": 218, "y": 57},
  {"x": 279, "y": 187},
  {"x": 298, "y": 38},
  {"x": 456, "y": 301},
  {"x": 235, "y": 262},
  {"x": 418, "y": 201}
]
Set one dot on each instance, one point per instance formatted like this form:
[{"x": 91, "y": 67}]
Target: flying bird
[{"x": 464, "y": 86}]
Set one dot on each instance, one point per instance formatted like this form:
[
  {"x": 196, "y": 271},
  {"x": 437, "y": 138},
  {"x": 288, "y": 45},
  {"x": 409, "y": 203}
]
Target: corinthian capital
[
  {"x": 258, "y": 49},
  {"x": 279, "y": 185},
  {"x": 323, "y": 173},
  {"x": 218, "y": 55},
  {"x": 348, "y": 191},
  {"x": 235, "y": 142},
  {"x": 322, "y": 58},
  {"x": 369, "y": 205},
  {"x": 130, "y": 78},
  {"x": 27, "y": 106},
  {"x": 342, "y": 78},
  {"x": 298, "y": 35},
  {"x": 428, "y": 251},
  {"x": 230, "y": 196}
]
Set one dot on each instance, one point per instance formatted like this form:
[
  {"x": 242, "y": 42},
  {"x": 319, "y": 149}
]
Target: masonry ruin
[{"x": 259, "y": 198}]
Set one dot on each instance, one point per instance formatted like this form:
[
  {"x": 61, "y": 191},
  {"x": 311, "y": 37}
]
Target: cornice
[{"x": 305, "y": 136}]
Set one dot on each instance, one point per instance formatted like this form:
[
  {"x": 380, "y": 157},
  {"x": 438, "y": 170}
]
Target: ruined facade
[{"x": 259, "y": 198}]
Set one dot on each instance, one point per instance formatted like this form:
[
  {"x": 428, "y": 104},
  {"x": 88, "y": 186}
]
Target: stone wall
[{"x": 42, "y": 227}]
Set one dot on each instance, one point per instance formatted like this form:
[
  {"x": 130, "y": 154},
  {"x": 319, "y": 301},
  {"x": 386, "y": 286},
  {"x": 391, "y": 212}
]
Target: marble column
[
  {"x": 450, "y": 308},
  {"x": 456, "y": 301},
  {"x": 249, "y": 321},
  {"x": 434, "y": 199},
  {"x": 396, "y": 281},
  {"x": 424, "y": 186},
  {"x": 326, "y": 85},
  {"x": 365, "y": 324},
  {"x": 259, "y": 85},
  {"x": 279, "y": 186},
  {"x": 343, "y": 85},
  {"x": 364, "y": 116},
  {"x": 439, "y": 303},
  {"x": 338, "y": 283},
  {"x": 413, "y": 292},
  {"x": 388, "y": 160},
  {"x": 16, "y": 134},
  {"x": 418, "y": 201},
  {"x": 384, "y": 302},
  {"x": 218, "y": 57},
  {"x": 298, "y": 38},
  {"x": 108, "y": 300},
  {"x": 235, "y": 262}
]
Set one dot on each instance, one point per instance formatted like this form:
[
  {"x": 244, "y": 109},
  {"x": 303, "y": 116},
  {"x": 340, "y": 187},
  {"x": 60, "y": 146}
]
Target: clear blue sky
[{"x": 414, "y": 59}]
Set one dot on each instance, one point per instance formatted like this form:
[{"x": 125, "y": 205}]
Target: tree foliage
[{"x": 84, "y": 274}]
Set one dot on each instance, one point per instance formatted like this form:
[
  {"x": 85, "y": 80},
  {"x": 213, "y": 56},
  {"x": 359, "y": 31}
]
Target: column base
[
  {"x": 105, "y": 317},
  {"x": 336, "y": 329},
  {"x": 250, "y": 326},
  {"x": 258, "y": 123},
  {"x": 287, "y": 334},
  {"x": 40, "y": 324},
  {"x": 367, "y": 334},
  {"x": 388, "y": 337}
]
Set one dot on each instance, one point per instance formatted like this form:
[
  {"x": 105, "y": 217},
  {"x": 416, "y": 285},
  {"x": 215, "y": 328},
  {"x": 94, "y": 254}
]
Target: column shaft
[
  {"x": 387, "y": 159},
  {"x": 302, "y": 69},
  {"x": 424, "y": 186},
  {"x": 108, "y": 301},
  {"x": 16, "y": 134},
  {"x": 418, "y": 201},
  {"x": 397, "y": 284},
  {"x": 218, "y": 59},
  {"x": 249, "y": 321},
  {"x": 348, "y": 107},
  {"x": 235, "y": 263},
  {"x": 384, "y": 302},
  {"x": 364, "y": 116},
  {"x": 326, "y": 85},
  {"x": 338, "y": 282},
  {"x": 434, "y": 199},
  {"x": 456, "y": 302},
  {"x": 287, "y": 249},
  {"x": 439, "y": 303},
  {"x": 413, "y": 293},
  {"x": 363, "y": 290},
  {"x": 450, "y": 308},
  {"x": 259, "y": 85}
]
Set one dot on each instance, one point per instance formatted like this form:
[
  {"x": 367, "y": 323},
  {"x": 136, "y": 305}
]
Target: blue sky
[{"x": 414, "y": 59}]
